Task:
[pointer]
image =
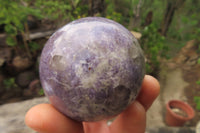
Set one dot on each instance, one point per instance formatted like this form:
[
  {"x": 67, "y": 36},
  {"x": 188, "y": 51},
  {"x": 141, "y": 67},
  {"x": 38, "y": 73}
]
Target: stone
[
  {"x": 12, "y": 119},
  {"x": 3, "y": 40},
  {"x": 35, "y": 84},
  {"x": 198, "y": 127},
  {"x": 24, "y": 79},
  {"x": 33, "y": 89},
  {"x": 187, "y": 54},
  {"x": 180, "y": 58},
  {"x": 12, "y": 116},
  {"x": 1, "y": 79},
  {"x": 21, "y": 63},
  {"x": 2, "y": 61},
  {"x": 5, "y": 55},
  {"x": 136, "y": 34}
]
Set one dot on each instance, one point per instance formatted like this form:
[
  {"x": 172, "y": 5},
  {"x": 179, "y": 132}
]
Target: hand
[{"x": 44, "y": 118}]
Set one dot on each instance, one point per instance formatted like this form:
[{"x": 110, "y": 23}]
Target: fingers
[
  {"x": 133, "y": 119},
  {"x": 149, "y": 91},
  {"x": 96, "y": 127},
  {"x": 44, "y": 118}
]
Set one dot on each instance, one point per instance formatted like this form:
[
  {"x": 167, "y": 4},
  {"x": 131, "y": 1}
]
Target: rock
[
  {"x": 5, "y": 55},
  {"x": 2, "y": 61},
  {"x": 35, "y": 84},
  {"x": 33, "y": 89},
  {"x": 198, "y": 127},
  {"x": 188, "y": 54},
  {"x": 12, "y": 116},
  {"x": 191, "y": 62},
  {"x": 1, "y": 79},
  {"x": 12, "y": 94},
  {"x": 137, "y": 35},
  {"x": 3, "y": 40},
  {"x": 13, "y": 100},
  {"x": 180, "y": 59},
  {"x": 12, "y": 119},
  {"x": 21, "y": 63},
  {"x": 7, "y": 95},
  {"x": 170, "y": 130},
  {"x": 25, "y": 78}
]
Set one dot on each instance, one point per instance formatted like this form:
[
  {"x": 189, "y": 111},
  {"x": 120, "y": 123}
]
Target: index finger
[
  {"x": 149, "y": 91},
  {"x": 44, "y": 118}
]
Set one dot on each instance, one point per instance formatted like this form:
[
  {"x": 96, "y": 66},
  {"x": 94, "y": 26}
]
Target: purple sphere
[{"x": 91, "y": 69}]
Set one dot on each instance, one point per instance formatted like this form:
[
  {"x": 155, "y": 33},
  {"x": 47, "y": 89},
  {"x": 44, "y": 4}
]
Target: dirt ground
[
  {"x": 177, "y": 77},
  {"x": 187, "y": 61},
  {"x": 191, "y": 74},
  {"x": 193, "y": 89}
]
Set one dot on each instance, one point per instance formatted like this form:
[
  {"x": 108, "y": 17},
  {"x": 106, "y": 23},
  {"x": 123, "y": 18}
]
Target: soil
[
  {"x": 187, "y": 61},
  {"x": 193, "y": 89},
  {"x": 177, "y": 77},
  {"x": 179, "y": 111}
]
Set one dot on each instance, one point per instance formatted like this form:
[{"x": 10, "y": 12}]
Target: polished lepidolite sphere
[{"x": 91, "y": 69}]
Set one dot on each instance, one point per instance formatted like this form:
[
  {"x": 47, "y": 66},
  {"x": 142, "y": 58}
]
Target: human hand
[{"x": 44, "y": 118}]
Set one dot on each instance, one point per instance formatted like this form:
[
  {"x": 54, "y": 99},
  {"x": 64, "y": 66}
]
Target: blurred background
[{"x": 168, "y": 31}]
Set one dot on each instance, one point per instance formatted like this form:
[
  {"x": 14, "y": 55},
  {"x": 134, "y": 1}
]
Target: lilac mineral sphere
[{"x": 91, "y": 69}]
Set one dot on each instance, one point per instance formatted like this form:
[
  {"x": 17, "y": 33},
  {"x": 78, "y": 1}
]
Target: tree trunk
[
  {"x": 148, "y": 19},
  {"x": 135, "y": 20},
  {"x": 96, "y": 6},
  {"x": 172, "y": 6}
]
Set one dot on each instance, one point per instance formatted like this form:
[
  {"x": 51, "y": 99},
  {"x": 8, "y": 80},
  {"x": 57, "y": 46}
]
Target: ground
[
  {"x": 177, "y": 78},
  {"x": 193, "y": 89},
  {"x": 188, "y": 62}
]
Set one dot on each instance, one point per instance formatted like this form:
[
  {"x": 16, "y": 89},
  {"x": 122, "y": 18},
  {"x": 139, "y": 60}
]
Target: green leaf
[
  {"x": 198, "y": 61},
  {"x": 10, "y": 29},
  {"x": 11, "y": 41},
  {"x": 41, "y": 92},
  {"x": 198, "y": 82},
  {"x": 9, "y": 83},
  {"x": 197, "y": 101},
  {"x": 34, "y": 46},
  {"x": 76, "y": 2}
]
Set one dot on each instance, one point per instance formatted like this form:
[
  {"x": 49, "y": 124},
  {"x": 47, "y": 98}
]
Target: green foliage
[
  {"x": 13, "y": 14},
  {"x": 52, "y": 9},
  {"x": 115, "y": 16},
  {"x": 111, "y": 13},
  {"x": 198, "y": 61},
  {"x": 197, "y": 101},
  {"x": 34, "y": 46},
  {"x": 197, "y": 98},
  {"x": 10, "y": 40},
  {"x": 198, "y": 82},
  {"x": 158, "y": 14},
  {"x": 61, "y": 10},
  {"x": 9, "y": 83},
  {"x": 153, "y": 45},
  {"x": 185, "y": 24},
  {"x": 41, "y": 92}
]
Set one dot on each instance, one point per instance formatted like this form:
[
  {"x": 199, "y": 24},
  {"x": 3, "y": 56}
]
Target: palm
[{"x": 132, "y": 119}]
